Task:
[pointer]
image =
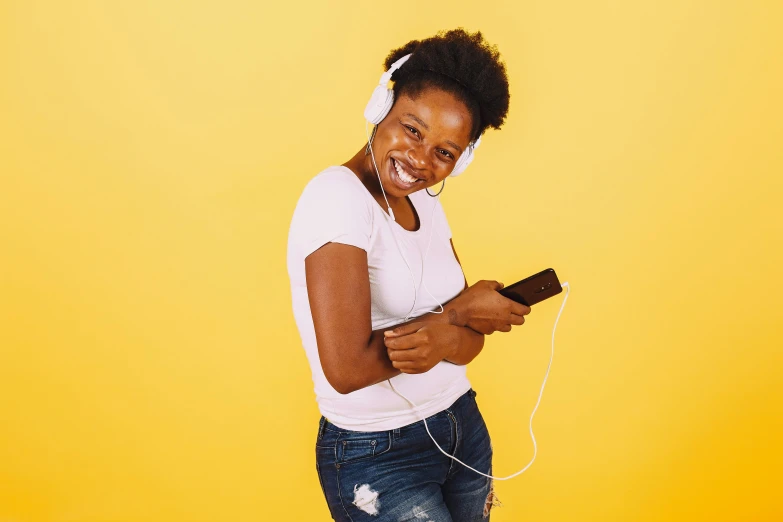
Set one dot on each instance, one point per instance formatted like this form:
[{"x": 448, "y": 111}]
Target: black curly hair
[{"x": 462, "y": 64}]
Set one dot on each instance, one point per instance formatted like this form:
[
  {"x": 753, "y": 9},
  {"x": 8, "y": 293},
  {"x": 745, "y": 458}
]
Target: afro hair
[{"x": 462, "y": 64}]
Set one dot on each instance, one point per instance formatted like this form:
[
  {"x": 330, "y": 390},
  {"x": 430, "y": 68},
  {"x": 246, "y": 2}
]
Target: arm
[
  {"x": 352, "y": 355},
  {"x": 469, "y": 346},
  {"x": 416, "y": 347},
  {"x": 471, "y": 342}
]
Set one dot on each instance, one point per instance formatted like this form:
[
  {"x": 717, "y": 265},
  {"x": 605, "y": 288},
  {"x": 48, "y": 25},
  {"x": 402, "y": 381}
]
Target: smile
[{"x": 403, "y": 178}]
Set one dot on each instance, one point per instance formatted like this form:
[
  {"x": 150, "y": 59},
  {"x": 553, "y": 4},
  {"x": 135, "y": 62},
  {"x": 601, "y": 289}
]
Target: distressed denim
[{"x": 399, "y": 475}]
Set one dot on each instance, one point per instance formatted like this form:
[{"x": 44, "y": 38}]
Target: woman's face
[{"x": 418, "y": 143}]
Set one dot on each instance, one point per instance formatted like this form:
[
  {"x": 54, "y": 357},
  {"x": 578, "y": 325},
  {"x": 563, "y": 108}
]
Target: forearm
[
  {"x": 454, "y": 312},
  {"x": 371, "y": 364},
  {"x": 469, "y": 346},
  {"x": 377, "y": 367}
]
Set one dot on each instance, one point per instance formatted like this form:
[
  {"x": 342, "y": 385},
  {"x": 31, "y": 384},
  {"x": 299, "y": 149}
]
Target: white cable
[
  {"x": 408, "y": 315},
  {"x": 391, "y": 214},
  {"x": 426, "y": 251},
  {"x": 369, "y": 144},
  {"x": 397, "y": 243},
  {"x": 540, "y": 393}
]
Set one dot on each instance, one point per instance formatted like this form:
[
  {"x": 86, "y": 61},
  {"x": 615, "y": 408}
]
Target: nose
[{"x": 417, "y": 156}]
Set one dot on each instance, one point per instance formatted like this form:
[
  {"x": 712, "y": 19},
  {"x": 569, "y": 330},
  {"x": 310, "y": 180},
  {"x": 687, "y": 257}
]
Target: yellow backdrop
[{"x": 151, "y": 156}]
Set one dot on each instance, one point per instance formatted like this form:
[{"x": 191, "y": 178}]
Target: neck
[{"x": 362, "y": 166}]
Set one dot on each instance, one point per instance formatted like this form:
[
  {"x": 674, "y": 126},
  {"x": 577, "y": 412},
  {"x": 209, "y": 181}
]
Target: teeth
[{"x": 404, "y": 176}]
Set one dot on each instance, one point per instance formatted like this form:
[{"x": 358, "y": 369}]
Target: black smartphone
[{"x": 533, "y": 289}]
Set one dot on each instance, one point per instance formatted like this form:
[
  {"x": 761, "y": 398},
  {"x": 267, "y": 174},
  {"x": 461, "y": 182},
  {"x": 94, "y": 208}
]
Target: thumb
[
  {"x": 404, "y": 330},
  {"x": 496, "y": 285}
]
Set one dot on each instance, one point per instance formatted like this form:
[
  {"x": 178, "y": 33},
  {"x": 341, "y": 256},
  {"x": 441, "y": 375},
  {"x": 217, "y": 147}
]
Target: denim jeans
[{"x": 399, "y": 475}]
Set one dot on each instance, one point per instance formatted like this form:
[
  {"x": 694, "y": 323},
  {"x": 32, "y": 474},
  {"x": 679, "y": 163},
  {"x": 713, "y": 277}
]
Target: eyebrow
[{"x": 427, "y": 127}]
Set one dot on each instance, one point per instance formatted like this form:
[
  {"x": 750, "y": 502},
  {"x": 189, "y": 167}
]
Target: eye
[
  {"x": 412, "y": 130},
  {"x": 446, "y": 153}
]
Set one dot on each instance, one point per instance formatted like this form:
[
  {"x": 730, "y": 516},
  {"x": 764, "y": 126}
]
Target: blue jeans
[{"x": 399, "y": 475}]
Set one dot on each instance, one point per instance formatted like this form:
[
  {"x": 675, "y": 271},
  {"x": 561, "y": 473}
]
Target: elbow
[
  {"x": 342, "y": 383},
  {"x": 346, "y": 373},
  {"x": 343, "y": 388}
]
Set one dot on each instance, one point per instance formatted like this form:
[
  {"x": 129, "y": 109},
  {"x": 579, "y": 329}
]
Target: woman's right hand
[{"x": 483, "y": 309}]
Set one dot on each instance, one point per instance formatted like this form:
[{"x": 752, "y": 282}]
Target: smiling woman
[{"x": 369, "y": 257}]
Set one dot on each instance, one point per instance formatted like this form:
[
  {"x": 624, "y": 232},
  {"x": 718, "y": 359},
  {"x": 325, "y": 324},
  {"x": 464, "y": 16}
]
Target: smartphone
[{"x": 533, "y": 289}]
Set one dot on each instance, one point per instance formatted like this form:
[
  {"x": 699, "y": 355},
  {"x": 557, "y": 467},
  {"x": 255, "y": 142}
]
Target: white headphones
[{"x": 381, "y": 103}]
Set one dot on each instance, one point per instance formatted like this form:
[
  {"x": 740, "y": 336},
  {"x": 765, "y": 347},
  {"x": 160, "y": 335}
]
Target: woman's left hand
[{"x": 417, "y": 347}]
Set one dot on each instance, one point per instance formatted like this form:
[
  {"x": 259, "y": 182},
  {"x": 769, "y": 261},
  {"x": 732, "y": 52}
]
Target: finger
[
  {"x": 481, "y": 327},
  {"x": 407, "y": 366},
  {"x": 486, "y": 331},
  {"x": 519, "y": 308},
  {"x": 406, "y": 342},
  {"x": 494, "y": 285},
  {"x": 404, "y": 329},
  {"x": 517, "y": 319},
  {"x": 404, "y": 355},
  {"x": 505, "y": 328}
]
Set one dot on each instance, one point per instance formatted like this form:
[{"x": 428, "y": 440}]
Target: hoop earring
[{"x": 438, "y": 194}]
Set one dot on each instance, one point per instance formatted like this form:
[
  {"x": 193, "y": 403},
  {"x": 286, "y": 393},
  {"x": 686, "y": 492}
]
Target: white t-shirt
[{"x": 336, "y": 207}]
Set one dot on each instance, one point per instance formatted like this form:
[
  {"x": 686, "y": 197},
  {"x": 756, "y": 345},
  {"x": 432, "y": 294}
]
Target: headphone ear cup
[
  {"x": 465, "y": 158},
  {"x": 462, "y": 163},
  {"x": 379, "y": 105}
]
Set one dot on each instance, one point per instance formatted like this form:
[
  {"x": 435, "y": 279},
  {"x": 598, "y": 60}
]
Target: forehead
[{"x": 445, "y": 115}]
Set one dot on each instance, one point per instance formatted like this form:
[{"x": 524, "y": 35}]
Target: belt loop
[
  {"x": 396, "y": 434},
  {"x": 472, "y": 393},
  {"x": 321, "y": 426}
]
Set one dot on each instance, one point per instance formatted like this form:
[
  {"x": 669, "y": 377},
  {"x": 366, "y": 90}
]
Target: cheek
[
  {"x": 442, "y": 173},
  {"x": 399, "y": 140},
  {"x": 446, "y": 167},
  {"x": 392, "y": 136}
]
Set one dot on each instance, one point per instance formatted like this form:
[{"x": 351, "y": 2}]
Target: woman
[{"x": 368, "y": 249}]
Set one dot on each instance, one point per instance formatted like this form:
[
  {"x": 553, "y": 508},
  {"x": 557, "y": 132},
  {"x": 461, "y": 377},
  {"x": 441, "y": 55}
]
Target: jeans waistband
[{"x": 324, "y": 423}]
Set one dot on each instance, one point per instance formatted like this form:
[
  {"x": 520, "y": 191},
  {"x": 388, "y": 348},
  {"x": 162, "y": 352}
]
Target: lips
[{"x": 401, "y": 176}]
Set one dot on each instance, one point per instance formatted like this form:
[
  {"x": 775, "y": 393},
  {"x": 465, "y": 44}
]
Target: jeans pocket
[{"x": 361, "y": 446}]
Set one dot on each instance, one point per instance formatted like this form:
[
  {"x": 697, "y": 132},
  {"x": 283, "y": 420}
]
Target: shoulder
[
  {"x": 334, "y": 194},
  {"x": 334, "y": 207},
  {"x": 336, "y": 184}
]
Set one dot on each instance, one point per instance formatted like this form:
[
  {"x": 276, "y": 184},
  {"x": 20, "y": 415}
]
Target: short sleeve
[{"x": 333, "y": 208}]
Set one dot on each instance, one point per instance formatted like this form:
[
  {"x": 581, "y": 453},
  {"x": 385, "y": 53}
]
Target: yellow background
[{"x": 151, "y": 155}]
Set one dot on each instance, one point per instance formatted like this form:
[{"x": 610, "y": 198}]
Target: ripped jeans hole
[
  {"x": 366, "y": 499},
  {"x": 492, "y": 500}
]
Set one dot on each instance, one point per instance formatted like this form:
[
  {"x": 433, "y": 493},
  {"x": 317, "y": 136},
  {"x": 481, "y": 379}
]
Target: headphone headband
[
  {"x": 381, "y": 103},
  {"x": 385, "y": 77}
]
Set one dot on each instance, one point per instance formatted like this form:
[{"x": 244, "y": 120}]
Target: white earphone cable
[
  {"x": 408, "y": 315},
  {"x": 391, "y": 228},
  {"x": 426, "y": 251},
  {"x": 540, "y": 393}
]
